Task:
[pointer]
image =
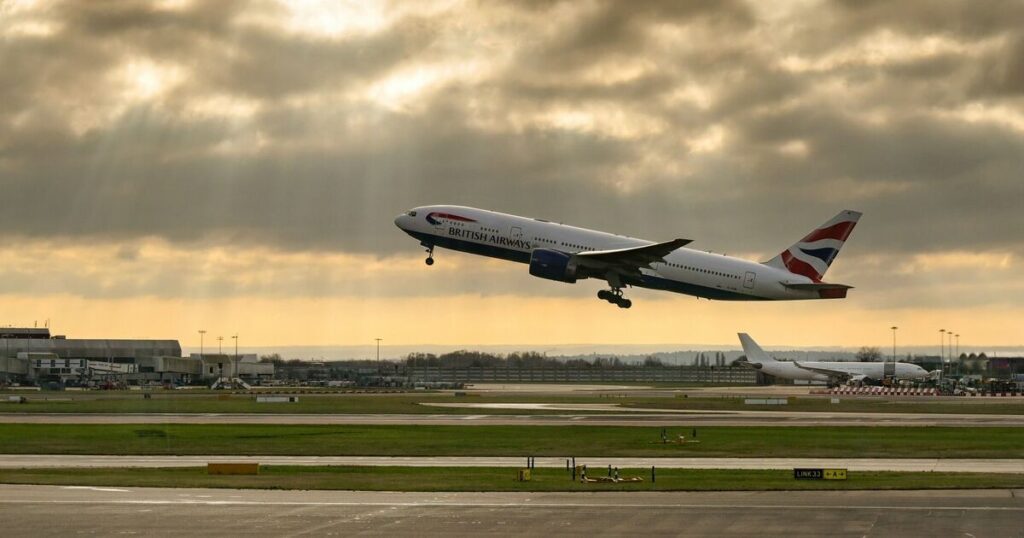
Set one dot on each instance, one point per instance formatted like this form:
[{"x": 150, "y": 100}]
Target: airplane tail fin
[
  {"x": 812, "y": 255},
  {"x": 754, "y": 353}
]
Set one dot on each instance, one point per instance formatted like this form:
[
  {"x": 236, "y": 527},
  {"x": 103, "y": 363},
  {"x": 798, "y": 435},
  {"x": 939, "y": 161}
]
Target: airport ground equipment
[
  {"x": 230, "y": 383},
  {"x": 233, "y": 468}
]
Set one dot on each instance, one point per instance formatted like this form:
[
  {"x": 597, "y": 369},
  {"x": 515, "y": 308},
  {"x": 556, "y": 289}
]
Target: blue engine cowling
[{"x": 553, "y": 265}]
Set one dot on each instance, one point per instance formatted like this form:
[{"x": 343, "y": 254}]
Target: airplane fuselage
[
  {"x": 515, "y": 238},
  {"x": 873, "y": 370}
]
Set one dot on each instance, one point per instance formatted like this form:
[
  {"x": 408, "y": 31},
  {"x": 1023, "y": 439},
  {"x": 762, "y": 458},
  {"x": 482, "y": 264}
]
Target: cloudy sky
[{"x": 236, "y": 166}]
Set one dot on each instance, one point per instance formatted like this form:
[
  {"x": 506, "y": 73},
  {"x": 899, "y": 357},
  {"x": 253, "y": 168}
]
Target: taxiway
[{"x": 63, "y": 510}]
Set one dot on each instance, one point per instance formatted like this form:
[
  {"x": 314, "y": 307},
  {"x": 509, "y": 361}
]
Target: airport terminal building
[{"x": 33, "y": 355}]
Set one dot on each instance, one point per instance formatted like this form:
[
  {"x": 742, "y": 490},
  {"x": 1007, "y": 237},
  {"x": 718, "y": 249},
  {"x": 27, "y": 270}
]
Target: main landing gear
[
  {"x": 430, "y": 254},
  {"x": 615, "y": 297}
]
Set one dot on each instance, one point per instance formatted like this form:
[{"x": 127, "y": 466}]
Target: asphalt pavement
[{"x": 65, "y": 511}]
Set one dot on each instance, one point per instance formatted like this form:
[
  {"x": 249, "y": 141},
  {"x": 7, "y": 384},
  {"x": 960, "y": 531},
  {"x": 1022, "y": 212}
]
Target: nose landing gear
[
  {"x": 615, "y": 297},
  {"x": 430, "y": 254}
]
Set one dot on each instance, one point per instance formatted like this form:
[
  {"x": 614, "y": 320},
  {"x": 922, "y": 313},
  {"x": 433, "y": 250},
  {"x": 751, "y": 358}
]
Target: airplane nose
[{"x": 398, "y": 220}]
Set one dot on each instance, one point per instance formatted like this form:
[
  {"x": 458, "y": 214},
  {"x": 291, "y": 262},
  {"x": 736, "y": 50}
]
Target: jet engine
[{"x": 553, "y": 265}]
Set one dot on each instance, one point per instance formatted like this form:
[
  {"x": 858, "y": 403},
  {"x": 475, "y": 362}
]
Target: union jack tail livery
[{"x": 813, "y": 254}]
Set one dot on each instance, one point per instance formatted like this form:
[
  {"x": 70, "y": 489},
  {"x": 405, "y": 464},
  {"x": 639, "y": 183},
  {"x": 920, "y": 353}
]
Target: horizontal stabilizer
[
  {"x": 825, "y": 291},
  {"x": 817, "y": 286}
]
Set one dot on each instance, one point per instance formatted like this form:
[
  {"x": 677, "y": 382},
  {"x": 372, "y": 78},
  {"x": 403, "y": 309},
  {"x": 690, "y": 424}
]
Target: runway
[
  {"x": 647, "y": 417},
  {"x": 854, "y": 464},
  {"x": 57, "y": 510}
]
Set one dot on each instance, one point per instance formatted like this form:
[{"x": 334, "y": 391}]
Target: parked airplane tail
[
  {"x": 812, "y": 255},
  {"x": 754, "y": 353}
]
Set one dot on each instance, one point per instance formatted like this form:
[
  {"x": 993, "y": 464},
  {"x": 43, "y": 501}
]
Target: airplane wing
[
  {"x": 634, "y": 257},
  {"x": 825, "y": 371}
]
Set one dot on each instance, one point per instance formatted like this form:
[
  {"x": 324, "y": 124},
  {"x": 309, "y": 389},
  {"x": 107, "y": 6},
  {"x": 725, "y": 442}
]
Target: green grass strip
[
  {"x": 606, "y": 441},
  {"x": 498, "y": 479},
  {"x": 176, "y": 402}
]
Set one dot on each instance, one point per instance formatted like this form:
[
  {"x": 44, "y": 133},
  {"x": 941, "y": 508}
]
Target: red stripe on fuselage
[
  {"x": 839, "y": 230},
  {"x": 799, "y": 267}
]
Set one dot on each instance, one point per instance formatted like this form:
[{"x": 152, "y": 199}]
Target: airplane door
[
  {"x": 748, "y": 280},
  {"x": 516, "y": 232}
]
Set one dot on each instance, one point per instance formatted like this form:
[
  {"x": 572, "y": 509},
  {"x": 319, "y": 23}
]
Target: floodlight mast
[
  {"x": 379, "y": 371},
  {"x": 894, "y": 348},
  {"x": 235, "y": 372}
]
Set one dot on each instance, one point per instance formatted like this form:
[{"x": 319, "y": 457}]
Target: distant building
[
  {"x": 246, "y": 366},
  {"x": 1007, "y": 367},
  {"x": 18, "y": 340},
  {"x": 34, "y": 355}
]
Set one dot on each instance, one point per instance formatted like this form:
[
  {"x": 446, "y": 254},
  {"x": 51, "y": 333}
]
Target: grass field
[
  {"x": 845, "y": 405},
  {"x": 608, "y": 441},
  {"x": 171, "y": 402},
  {"x": 497, "y": 479},
  {"x": 307, "y": 404}
]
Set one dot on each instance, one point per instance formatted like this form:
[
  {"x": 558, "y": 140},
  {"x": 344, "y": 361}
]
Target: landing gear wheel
[
  {"x": 430, "y": 261},
  {"x": 614, "y": 296}
]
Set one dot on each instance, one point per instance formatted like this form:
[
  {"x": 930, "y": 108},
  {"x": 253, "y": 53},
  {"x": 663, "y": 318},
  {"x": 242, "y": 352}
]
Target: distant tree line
[{"x": 525, "y": 359}]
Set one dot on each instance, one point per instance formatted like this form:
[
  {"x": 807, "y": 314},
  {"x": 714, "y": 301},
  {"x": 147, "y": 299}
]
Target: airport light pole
[
  {"x": 942, "y": 352},
  {"x": 957, "y": 354},
  {"x": 202, "y": 333},
  {"x": 378, "y": 354},
  {"x": 949, "y": 350},
  {"x": 894, "y": 349},
  {"x": 235, "y": 373},
  {"x": 220, "y": 353}
]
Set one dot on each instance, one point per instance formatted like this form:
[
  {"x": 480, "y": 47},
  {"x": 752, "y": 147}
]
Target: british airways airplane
[{"x": 566, "y": 254}]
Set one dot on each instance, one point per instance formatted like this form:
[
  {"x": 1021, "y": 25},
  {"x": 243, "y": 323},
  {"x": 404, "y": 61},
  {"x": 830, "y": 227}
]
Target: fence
[{"x": 713, "y": 376}]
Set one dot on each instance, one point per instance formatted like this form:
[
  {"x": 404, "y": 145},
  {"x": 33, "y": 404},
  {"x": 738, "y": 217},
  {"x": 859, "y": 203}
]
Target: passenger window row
[
  {"x": 581, "y": 247},
  {"x": 705, "y": 271}
]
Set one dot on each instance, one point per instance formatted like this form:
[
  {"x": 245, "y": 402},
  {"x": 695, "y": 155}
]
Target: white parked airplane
[
  {"x": 567, "y": 254},
  {"x": 832, "y": 372}
]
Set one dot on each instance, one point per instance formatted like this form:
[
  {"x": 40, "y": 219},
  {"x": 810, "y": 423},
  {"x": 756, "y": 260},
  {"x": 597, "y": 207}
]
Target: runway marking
[
  {"x": 91, "y": 488},
  {"x": 729, "y": 505}
]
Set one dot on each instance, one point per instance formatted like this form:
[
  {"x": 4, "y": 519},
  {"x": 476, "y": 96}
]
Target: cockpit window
[{"x": 411, "y": 213}]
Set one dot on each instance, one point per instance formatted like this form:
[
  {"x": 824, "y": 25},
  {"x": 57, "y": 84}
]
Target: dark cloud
[
  {"x": 319, "y": 166},
  {"x": 610, "y": 30},
  {"x": 916, "y": 18},
  {"x": 1002, "y": 74}
]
